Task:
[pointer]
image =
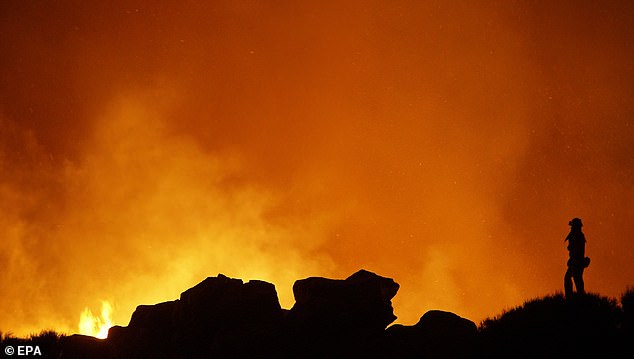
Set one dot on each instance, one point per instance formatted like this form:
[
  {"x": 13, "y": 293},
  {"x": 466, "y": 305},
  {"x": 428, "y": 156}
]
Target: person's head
[{"x": 575, "y": 223}]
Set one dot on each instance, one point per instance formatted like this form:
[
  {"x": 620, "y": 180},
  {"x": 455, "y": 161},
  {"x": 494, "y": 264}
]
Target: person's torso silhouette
[{"x": 576, "y": 243}]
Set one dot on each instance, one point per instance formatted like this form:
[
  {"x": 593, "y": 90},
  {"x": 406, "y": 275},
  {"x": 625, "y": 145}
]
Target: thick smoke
[{"x": 144, "y": 147}]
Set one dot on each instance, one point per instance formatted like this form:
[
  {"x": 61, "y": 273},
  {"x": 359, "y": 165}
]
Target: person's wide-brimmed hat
[{"x": 575, "y": 222}]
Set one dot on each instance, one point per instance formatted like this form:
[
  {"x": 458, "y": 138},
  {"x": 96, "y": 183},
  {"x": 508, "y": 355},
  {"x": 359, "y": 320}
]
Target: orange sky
[{"x": 144, "y": 147}]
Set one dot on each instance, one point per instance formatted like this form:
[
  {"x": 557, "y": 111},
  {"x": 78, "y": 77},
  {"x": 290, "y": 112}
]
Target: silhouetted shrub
[
  {"x": 6, "y": 337},
  {"x": 48, "y": 342},
  {"x": 627, "y": 299}
]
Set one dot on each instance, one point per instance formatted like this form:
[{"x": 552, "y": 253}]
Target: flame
[{"x": 96, "y": 326}]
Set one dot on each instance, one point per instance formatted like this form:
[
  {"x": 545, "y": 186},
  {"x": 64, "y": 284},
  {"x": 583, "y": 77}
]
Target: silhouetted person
[{"x": 578, "y": 260}]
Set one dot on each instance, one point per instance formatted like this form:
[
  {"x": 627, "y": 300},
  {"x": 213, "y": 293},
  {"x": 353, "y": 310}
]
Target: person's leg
[
  {"x": 578, "y": 277},
  {"x": 568, "y": 283}
]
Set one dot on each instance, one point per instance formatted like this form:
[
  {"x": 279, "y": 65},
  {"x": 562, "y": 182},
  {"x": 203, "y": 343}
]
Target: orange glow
[
  {"x": 96, "y": 326},
  {"x": 444, "y": 144}
]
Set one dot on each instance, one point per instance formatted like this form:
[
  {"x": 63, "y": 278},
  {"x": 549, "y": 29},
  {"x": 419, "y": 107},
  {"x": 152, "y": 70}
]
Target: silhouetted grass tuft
[
  {"x": 6, "y": 336},
  {"x": 48, "y": 341},
  {"x": 627, "y": 299}
]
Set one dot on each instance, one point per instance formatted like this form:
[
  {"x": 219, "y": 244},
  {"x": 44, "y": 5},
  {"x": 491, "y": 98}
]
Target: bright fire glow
[{"x": 96, "y": 326}]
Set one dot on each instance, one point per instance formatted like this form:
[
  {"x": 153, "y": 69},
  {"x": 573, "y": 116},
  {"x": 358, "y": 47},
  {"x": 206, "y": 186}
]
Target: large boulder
[
  {"x": 340, "y": 317},
  {"x": 226, "y": 317},
  {"x": 154, "y": 317},
  {"x": 440, "y": 324},
  {"x": 219, "y": 317},
  {"x": 447, "y": 335},
  {"x": 221, "y": 301},
  {"x": 149, "y": 333},
  {"x": 437, "y": 334},
  {"x": 79, "y": 346}
]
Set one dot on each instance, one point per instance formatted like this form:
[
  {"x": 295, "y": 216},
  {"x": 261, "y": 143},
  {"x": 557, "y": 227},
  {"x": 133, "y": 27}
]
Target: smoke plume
[{"x": 146, "y": 146}]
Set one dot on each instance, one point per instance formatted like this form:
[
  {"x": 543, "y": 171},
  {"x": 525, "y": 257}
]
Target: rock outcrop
[{"x": 223, "y": 317}]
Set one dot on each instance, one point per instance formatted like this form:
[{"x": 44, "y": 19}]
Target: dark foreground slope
[
  {"x": 584, "y": 326},
  {"x": 223, "y": 317}
]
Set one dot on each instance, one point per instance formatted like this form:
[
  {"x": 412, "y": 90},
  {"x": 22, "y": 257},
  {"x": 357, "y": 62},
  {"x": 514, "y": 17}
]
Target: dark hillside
[{"x": 553, "y": 326}]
